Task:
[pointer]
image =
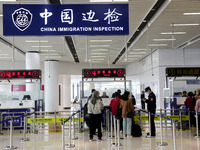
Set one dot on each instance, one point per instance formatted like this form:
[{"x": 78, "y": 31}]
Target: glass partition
[
  {"x": 20, "y": 90},
  {"x": 104, "y": 86}
]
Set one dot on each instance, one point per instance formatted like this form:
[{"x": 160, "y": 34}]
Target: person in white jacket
[{"x": 95, "y": 106}]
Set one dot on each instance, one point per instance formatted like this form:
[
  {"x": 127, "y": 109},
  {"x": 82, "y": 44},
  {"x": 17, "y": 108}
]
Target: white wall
[
  {"x": 141, "y": 72},
  {"x": 144, "y": 74}
]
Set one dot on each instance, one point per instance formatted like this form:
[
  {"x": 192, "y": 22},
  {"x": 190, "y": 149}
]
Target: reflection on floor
[{"x": 45, "y": 141}]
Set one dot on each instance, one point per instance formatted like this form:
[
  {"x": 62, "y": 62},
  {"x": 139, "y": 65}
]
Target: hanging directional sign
[
  {"x": 183, "y": 72},
  {"x": 104, "y": 73},
  {"x": 79, "y": 19}
]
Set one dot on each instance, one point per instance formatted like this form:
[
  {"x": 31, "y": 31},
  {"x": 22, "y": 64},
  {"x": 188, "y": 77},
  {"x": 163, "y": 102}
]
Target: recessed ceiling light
[
  {"x": 186, "y": 24},
  {"x": 100, "y": 40},
  {"x": 170, "y": 33},
  {"x": 195, "y": 13},
  {"x": 97, "y": 59},
  {"x": 98, "y": 56},
  {"x": 41, "y": 46},
  {"x": 98, "y": 53},
  {"x": 36, "y": 41},
  {"x": 99, "y": 45},
  {"x": 44, "y": 50},
  {"x": 139, "y": 49},
  {"x": 52, "y": 50},
  {"x": 164, "y": 39},
  {"x": 109, "y": 1},
  {"x": 120, "y": 0},
  {"x": 1, "y": 15},
  {"x": 99, "y": 50},
  {"x": 4, "y": 54},
  {"x": 137, "y": 53},
  {"x": 5, "y": 57},
  {"x": 157, "y": 44},
  {"x": 134, "y": 56},
  {"x": 8, "y": 0}
]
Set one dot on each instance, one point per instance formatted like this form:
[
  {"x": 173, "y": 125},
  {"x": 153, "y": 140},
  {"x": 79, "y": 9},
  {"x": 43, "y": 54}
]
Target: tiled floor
[{"x": 45, "y": 141}]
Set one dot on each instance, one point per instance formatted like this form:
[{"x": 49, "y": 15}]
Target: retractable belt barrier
[
  {"x": 52, "y": 120},
  {"x": 43, "y": 120},
  {"x": 161, "y": 119},
  {"x": 69, "y": 145}
]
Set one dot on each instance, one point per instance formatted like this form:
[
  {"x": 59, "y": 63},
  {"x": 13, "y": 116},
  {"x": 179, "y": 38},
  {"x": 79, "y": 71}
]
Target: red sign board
[
  {"x": 104, "y": 73},
  {"x": 20, "y": 74}
]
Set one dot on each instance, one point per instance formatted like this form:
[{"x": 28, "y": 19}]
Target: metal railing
[{"x": 71, "y": 119}]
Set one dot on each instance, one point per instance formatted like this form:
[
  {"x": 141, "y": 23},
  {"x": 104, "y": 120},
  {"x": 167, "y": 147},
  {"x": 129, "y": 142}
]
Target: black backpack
[
  {"x": 119, "y": 111},
  {"x": 86, "y": 115},
  {"x": 136, "y": 130}
]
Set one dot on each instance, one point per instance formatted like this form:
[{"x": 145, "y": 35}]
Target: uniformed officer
[{"x": 151, "y": 106}]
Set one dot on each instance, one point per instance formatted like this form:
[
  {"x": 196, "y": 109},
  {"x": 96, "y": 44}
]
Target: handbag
[{"x": 129, "y": 114}]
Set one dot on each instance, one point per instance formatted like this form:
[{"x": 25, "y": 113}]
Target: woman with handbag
[{"x": 127, "y": 113}]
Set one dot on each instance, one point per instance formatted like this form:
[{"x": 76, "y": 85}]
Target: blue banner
[
  {"x": 193, "y": 82},
  {"x": 76, "y": 19}
]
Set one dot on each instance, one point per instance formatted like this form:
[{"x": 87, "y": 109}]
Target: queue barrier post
[
  {"x": 108, "y": 122},
  {"x": 1, "y": 125},
  {"x": 34, "y": 123},
  {"x": 55, "y": 121},
  {"x": 118, "y": 133},
  {"x": 161, "y": 132},
  {"x": 189, "y": 118},
  {"x": 174, "y": 134},
  {"x": 79, "y": 122},
  {"x": 11, "y": 147},
  {"x": 63, "y": 135},
  {"x": 149, "y": 136},
  {"x": 111, "y": 126},
  {"x": 181, "y": 123},
  {"x": 25, "y": 139},
  {"x": 70, "y": 145},
  {"x": 74, "y": 130},
  {"x": 197, "y": 125},
  {"x": 115, "y": 134}
]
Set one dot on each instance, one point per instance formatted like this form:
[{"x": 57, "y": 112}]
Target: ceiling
[{"x": 138, "y": 9}]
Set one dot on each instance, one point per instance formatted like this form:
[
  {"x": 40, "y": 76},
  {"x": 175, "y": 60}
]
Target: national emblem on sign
[{"x": 22, "y": 18}]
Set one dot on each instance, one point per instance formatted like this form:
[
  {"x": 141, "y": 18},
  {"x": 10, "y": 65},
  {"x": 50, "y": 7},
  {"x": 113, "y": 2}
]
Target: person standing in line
[
  {"x": 142, "y": 102},
  {"x": 151, "y": 106},
  {"x": 197, "y": 109},
  {"x": 184, "y": 94},
  {"x": 119, "y": 91},
  {"x": 190, "y": 103},
  {"x": 95, "y": 107},
  {"x": 127, "y": 107}
]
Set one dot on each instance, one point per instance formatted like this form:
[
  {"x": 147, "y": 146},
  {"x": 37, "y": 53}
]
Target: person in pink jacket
[{"x": 197, "y": 109}]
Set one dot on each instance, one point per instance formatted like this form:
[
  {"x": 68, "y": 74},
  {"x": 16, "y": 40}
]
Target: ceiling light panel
[
  {"x": 184, "y": 25},
  {"x": 8, "y": 0},
  {"x": 4, "y": 54},
  {"x": 98, "y": 56},
  {"x": 101, "y": 1},
  {"x": 164, "y": 39},
  {"x": 100, "y": 40},
  {"x": 170, "y": 33},
  {"x": 41, "y": 46},
  {"x": 157, "y": 44},
  {"x": 99, "y": 46},
  {"x": 194, "y": 13},
  {"x": 36, "y": 41},
  {"x": 99, "y": 50},
  {"x": 98, "y": 53}
]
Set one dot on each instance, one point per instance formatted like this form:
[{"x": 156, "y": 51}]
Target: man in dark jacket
[
  {"x": 142, "y": 102},
  {"x": 151, "y": 106}
]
